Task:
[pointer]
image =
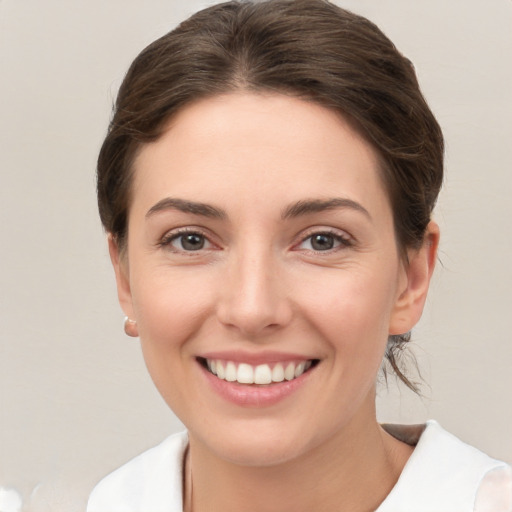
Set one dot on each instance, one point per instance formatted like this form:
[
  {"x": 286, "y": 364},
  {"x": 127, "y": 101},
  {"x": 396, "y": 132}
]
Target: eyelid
[
  {"x": 171, "y": 235},
  {"x": 342, "y": 236}
]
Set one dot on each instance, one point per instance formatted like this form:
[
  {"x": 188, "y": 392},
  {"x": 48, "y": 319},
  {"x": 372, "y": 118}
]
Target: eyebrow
[
  {"x": 298, "y": 209},
  {"x": 171, "y": 203},
  {"x": 319, "y": 205}
]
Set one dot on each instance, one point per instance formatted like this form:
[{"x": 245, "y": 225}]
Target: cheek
[
  {"x": 170, "y": 313},
  {"x": 352, "y": 311},
  {"x": 171, "y": 310},
  {"x": 170, "y": 305}
]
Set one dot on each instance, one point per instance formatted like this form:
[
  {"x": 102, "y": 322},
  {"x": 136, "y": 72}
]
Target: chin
[
  {"x": 261, "y": 453},
  {"x": 256, "y": 444}
]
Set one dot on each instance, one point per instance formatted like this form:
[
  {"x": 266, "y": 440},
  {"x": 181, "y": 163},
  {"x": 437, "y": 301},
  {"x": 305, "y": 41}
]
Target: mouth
[{"x": 259, "y": 375}]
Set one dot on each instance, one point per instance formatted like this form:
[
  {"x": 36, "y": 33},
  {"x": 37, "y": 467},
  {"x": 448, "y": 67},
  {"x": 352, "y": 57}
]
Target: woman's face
[{"x": 261, "y": 246}]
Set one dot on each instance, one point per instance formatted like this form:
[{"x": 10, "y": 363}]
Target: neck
[{"x": 334, "y": 476}]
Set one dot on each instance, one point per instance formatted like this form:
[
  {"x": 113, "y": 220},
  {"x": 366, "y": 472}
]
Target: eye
[
  {"x": 187, "y": 241},
  {"x": 324, "y": 241}
]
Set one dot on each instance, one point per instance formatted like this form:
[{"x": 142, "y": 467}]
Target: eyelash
[
  {"x": 343, "y": 240},
  {"x": 168, "y": 238}
]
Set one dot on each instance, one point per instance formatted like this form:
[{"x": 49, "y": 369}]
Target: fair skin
[{"x": 260, "y": 234}]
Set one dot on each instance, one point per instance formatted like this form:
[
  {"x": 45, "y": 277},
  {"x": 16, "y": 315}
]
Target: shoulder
[
  {"x": 150, "y": 481},
  {"x": 495, "y": 491},
  {"x": 444, "y": 473}
]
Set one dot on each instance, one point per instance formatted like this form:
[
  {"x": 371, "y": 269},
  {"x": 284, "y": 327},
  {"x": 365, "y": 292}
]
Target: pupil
[
  {"x": 322, "y": 242},
  {"x": 192, "y": 242}
]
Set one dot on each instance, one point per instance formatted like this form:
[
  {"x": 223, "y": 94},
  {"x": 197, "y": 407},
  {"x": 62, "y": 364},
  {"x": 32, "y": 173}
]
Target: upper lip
[{"x": 262, "y": 357}]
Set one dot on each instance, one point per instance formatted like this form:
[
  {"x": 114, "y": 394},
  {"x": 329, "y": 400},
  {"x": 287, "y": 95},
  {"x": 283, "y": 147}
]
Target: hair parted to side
[{"x": 310, "y": 49}]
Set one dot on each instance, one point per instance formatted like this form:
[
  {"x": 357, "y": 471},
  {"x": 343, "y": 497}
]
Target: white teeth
[
  {"x": 299, "y": 369},
  {"x": 262, "y": 374},
  {"x": 289, "y": 372},
  {"x": 221, "y": 373},
  {"x": 245, "y": 374},
  {"x": 278, "y": 373},
  {"x": 230, "y": 372}
]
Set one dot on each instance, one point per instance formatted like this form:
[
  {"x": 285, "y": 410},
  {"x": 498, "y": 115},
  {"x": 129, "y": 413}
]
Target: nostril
[{"x": 254, "y": 319}]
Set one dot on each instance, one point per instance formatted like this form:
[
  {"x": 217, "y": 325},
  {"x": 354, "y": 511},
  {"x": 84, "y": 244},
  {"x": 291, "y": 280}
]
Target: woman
[{"x": 267, "y": 183}]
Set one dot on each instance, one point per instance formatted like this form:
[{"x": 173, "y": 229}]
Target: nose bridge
[{"x": 254, "y": 299}]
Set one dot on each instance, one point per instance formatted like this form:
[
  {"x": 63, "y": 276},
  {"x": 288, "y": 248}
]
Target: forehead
[{"x": 249, "y": 146}]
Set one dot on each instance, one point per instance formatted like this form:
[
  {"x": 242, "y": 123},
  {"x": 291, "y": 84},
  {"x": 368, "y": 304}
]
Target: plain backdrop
[{"x": 75, "y": 397}]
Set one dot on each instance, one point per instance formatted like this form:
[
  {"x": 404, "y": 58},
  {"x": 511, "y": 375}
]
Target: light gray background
[{"x": 75, "y": 398}]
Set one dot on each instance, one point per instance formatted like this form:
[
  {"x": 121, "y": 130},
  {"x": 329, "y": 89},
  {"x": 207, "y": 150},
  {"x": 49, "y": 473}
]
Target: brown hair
[{"x": 310, "y": 49}]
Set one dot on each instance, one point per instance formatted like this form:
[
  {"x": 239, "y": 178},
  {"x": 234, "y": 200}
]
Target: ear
[
  {"x": 413, "y": 293},
  {"x": 120, "y": 264}
]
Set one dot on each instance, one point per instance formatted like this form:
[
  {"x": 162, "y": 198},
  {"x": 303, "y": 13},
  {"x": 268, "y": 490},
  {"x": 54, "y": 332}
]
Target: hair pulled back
[{"x": 310, "y": 49}]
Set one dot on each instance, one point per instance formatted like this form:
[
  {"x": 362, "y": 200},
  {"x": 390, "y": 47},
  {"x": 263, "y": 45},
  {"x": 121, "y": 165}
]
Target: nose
[{"x": 253, "y": 298}]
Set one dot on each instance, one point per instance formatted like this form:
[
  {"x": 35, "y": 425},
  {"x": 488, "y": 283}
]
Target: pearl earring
[{"x": 130, "y": 327}]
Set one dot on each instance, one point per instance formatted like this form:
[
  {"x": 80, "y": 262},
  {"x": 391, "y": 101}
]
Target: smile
[{"x": 244, "y": 373}]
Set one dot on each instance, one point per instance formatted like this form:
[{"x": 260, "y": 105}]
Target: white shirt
[{"x": 443, "y": 474}]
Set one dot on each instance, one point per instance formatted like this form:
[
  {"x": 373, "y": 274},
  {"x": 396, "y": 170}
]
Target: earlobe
[
  {"x": 420, "y": 267},
  {"x": 120, "y": 264}
]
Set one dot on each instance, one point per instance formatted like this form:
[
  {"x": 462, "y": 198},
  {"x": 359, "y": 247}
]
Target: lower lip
[{"x": 254, "y": 395}]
